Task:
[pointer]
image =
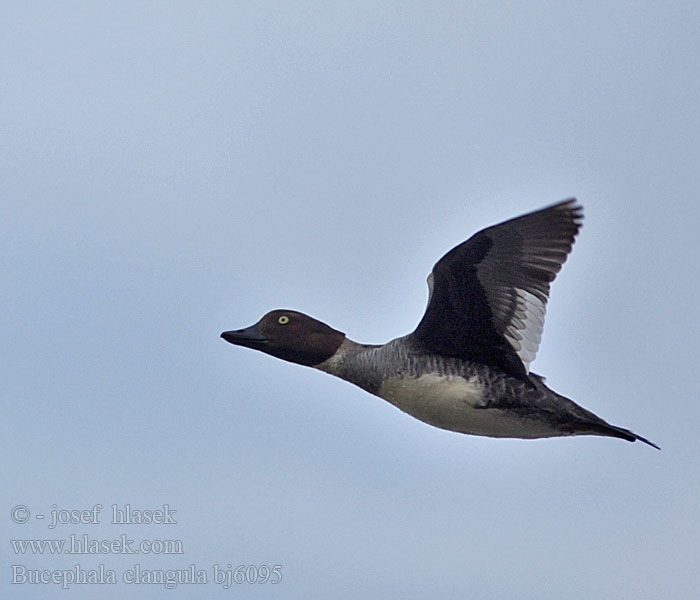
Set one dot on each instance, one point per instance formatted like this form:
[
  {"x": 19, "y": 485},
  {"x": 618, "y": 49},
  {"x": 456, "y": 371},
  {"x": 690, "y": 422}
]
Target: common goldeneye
[{"x": 466, "y": 367}]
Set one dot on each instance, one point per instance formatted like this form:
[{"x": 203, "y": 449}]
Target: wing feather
[{"x": 488, "y": 296}]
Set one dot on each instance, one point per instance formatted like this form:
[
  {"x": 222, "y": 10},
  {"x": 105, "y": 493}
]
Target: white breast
[
  {"x": 456, "y": 403},
  {"x": 435, "y": 399}
]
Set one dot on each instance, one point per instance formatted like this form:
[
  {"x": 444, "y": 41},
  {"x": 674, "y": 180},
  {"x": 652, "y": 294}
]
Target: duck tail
[{"x": 617, "y": 432}]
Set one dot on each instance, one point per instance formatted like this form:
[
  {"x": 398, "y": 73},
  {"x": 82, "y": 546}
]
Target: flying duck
[{"x": 466, "y": 367}]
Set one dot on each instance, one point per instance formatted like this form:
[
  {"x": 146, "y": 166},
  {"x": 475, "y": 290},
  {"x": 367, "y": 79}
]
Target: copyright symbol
[{"x": 20, "y": 514}]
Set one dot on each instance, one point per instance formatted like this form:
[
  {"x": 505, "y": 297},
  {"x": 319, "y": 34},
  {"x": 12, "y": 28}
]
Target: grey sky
[{"x": 172, "y": 170}]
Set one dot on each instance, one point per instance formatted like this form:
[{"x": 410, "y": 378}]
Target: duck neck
[{"x": 356, "y": 363}]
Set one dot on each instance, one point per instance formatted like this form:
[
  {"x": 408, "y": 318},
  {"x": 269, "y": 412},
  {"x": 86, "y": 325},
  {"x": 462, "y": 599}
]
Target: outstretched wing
[{"x": 488, "y": 296}]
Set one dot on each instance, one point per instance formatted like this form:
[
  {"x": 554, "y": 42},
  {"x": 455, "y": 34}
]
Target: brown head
[{"x": 291, "y": 336}]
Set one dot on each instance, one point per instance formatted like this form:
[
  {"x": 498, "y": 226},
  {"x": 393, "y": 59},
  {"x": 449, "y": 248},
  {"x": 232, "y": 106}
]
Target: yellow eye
[{"x": 283, "y": 320}]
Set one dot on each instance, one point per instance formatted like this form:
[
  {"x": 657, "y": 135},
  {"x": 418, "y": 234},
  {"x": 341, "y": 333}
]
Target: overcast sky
[{"x": 171, "y": 170}]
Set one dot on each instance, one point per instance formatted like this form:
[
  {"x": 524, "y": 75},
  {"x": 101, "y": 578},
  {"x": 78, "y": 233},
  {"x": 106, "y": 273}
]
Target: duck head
[{"x": 289, "y": 335}]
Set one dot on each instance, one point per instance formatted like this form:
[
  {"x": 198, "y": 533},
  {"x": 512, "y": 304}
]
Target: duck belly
[{"x": 458, "y": 404}]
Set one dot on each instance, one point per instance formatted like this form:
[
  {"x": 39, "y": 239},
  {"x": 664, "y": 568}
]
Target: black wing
[{"x": 488, "y": 295}]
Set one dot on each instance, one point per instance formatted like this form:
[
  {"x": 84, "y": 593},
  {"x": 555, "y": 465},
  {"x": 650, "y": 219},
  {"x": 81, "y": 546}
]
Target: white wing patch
[
  {"x": 431, "y": 277},
  {"x": 524, "y": 331}
]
